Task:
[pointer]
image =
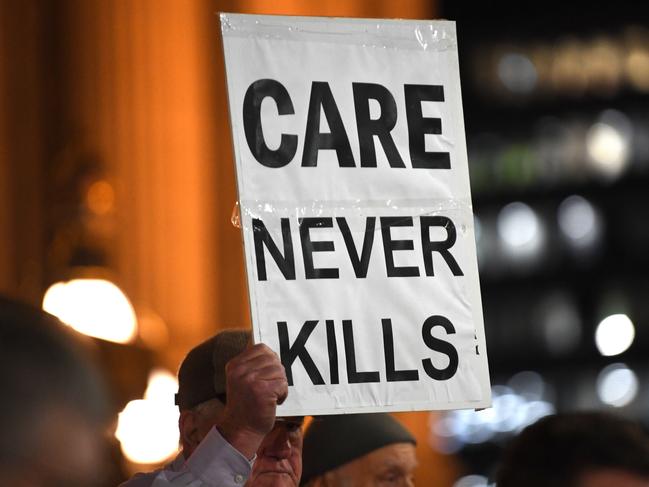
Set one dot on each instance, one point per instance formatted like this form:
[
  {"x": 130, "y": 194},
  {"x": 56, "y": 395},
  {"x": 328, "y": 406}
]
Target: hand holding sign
[{"x": 256, "y": 384}]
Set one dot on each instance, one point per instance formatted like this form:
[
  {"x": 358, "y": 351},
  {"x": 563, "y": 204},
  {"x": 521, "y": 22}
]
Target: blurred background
[{"x": 117, "y": 192}]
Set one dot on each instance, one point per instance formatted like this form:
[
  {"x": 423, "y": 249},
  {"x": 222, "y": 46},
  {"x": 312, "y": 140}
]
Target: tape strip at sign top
[{"x": 355, "y": 211}]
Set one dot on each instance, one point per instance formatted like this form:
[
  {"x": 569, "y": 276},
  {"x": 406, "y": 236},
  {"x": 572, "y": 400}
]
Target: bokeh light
[
  {"x": 100, "y": 197},
  {"x": 517, "y": 73},
  {"x": 579, "y": 222},
  {"x": 560, "y": 321},
  {"x": 617, "y": 385},
  {"x": 608, "y": 143},
  {"x": 567, "y": 73},
  {"x": 152, "y": 328},
  {"x": 603, "y": 60},
  {"x": 637, "y": 65},
  {"x": 637, "y": 59},
  {"x": 614, "y": 335},
  {"x": 147, "y": 429},
  {"x": 94, "y": 307},
  {"x": 520, "y": 230},
  {"x": 514, "y": 407},
  {"x": 472, "y": 481}
]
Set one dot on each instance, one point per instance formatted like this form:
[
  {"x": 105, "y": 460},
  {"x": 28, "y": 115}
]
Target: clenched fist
[{"x": 256, "y": 384}]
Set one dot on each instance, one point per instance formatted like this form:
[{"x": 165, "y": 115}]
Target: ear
[{"x": 189, "y": 431}]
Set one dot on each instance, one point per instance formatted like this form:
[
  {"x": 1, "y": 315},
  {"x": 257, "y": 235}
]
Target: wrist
[{"x": 245, "y": 440}]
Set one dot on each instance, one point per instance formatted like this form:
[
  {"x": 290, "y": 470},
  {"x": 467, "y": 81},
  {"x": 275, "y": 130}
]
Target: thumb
[{"x": 283, "y": 394}]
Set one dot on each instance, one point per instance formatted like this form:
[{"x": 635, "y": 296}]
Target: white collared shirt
[{"x": 214, "y": 463}]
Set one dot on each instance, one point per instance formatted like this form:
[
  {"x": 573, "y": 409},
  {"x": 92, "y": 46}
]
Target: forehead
[{"x": 402, "y": 455}]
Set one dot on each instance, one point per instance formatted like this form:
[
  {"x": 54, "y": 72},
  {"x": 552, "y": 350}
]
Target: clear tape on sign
[
  {"x": 379, "y": 34},
  {"x": 332, "y": 208},
  {"x": 235, "y": 218},
  {"x": 255, "y": 209}
]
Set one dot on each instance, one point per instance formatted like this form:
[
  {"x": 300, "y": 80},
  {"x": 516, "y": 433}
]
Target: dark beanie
[
  {"x": 332, "y": 441},
  {"x": 201, "y": 376}
]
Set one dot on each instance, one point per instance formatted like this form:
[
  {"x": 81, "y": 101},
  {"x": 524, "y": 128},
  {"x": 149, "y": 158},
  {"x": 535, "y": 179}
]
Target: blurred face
[
  {"x": 279, "y": 458},
  {"x": 390, "y": 466},
  {"x": 604, "y": 477},
  {"x": 66, "y": 450}
]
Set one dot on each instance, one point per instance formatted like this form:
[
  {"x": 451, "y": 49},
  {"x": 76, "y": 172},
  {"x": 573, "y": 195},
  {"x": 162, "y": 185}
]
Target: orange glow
[
  {"x": 147, "y": 429},
  {"x": 94, "y": 307},
  {"x": 568, "y": 74},
  {"x": 100, "y": 197},
  {"x": 602, "y": 60},
  {"x": 152, "y": 329},
  {"x": 637, "y": 66}
]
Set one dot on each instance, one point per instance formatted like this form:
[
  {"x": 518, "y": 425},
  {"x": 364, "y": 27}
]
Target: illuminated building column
[{"x": 145, "y": 92}]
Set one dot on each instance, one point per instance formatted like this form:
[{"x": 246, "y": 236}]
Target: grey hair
[{"x": 209, "y": 409}]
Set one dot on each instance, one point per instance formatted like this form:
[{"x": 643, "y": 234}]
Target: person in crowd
[
  {"x": 54, "y": 405},
  {"x": 360, "y": 450},
  {"x": 592, "y": 449},
  {"x": 227, "y": 395}
]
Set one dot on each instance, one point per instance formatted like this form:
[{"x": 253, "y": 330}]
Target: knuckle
[{"x": 266, "y": 349}]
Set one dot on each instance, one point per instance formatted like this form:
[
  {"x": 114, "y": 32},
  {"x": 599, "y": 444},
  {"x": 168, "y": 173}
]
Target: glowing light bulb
[
  {"x": 94, "y": 307},
  {"x": 161, "y": 386},
  {"x": 614, "y": 335},
  {"x": 147, "y": 429},
  {"x": 608, "y": 143}
]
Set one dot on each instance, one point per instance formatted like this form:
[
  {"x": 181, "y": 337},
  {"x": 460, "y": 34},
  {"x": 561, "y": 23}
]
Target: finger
[
  {"x": 257, "y": 382},
  {"x": 273, "y": 391},
  {"x": 254, "y": 385},
  {"x": 249, "y": 373},
  {"x": 256, "y": 362},
  {"x": 268, "y": 372},
  {"x": 282, "y": 393},
  {"x": 255, "y": 350},
  {"x": 254, "y": 353}
]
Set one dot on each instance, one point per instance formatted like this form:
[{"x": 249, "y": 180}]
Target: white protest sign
[{"x": 356, "y": 211}]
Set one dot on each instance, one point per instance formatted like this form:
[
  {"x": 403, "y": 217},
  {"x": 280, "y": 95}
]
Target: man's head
[
  {"x": 202, "y": 386},
  {"x": 577, "y": 450},
  {"x": 279, "y": 458},
  {"x": 360, "y": 450},
  {"x": 203, "y": 400},
  {"x": 53, "y": 407}
]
